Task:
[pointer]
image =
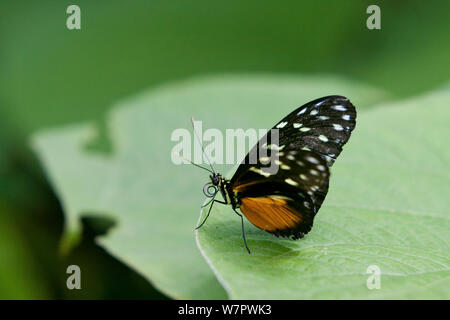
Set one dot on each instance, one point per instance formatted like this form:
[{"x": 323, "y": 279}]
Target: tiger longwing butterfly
[{"x": 284, "y": 203}]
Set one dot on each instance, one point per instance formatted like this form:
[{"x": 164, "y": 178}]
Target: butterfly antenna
[
  {"x": 183, "y": 158},
  {"x": 200, "y": 142}
]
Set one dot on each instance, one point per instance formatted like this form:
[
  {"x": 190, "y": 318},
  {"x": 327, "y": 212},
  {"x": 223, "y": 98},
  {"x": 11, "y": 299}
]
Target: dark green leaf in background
[{"x": 16, "y": 259}]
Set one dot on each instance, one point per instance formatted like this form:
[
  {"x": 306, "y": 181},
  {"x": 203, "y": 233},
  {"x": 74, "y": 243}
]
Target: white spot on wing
[
  {"x": 278, "y": 197},
  {"x": 291, "y": 182},
  {"x": 274, "y": 147},
  {"x": 282, "y": 125},
  {"x": 301, "y": 111},
  {"x": 346, "y": 117},
  {"x": 319, "y": 103},
  {"x": 313, "y": 160},
  {"x": 337, "y": 127},
  {"x": 297, "y": 125},
  {"x": 323, "y": 138},
  {"x": 339, "y": 108}
]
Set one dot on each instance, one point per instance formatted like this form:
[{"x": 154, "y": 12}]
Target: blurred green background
[{"x": 50, "y": 75}]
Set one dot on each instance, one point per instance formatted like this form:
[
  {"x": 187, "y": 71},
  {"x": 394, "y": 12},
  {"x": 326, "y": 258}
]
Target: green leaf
[
  {"x": 388, "y": 206},
  {"x": 20, "y": 275},
  {"x": 154, "y": 202}
]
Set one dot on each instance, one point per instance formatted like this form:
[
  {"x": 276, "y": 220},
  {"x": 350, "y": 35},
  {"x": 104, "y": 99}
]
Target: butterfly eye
[{"x": 210, "y": 190}]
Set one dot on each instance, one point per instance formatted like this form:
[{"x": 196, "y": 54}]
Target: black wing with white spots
[
  {"x": 301, "y": 180},
  {"x": 322, "y": 126},
  {"x": 309, "y": 141}
]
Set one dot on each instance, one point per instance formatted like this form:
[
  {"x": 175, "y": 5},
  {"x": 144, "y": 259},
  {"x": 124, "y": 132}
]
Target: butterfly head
[
  {"x": 216, "y": 179},
  {"x": 210, "y": 189}
]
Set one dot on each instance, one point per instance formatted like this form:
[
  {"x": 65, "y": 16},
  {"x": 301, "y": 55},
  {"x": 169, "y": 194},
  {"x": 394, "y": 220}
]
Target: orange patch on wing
[{"x": 270, "y": 214}]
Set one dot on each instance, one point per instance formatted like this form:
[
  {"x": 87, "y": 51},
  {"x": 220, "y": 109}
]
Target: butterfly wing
[
  {"x": 322, "y": 126},
  {"x": 284, "y": 203},
  {"x": 310, "y": 139}
]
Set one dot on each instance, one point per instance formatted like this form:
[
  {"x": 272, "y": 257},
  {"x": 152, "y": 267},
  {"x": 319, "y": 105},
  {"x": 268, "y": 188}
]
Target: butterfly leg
[
  {"x": 207, "y": 204},
  {"x": 209, "y": 211},
  {"x": 243, "y": 231}
]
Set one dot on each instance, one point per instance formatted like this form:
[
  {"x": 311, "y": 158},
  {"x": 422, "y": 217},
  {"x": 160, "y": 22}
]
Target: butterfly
[{"x": 303, "y": 146}]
